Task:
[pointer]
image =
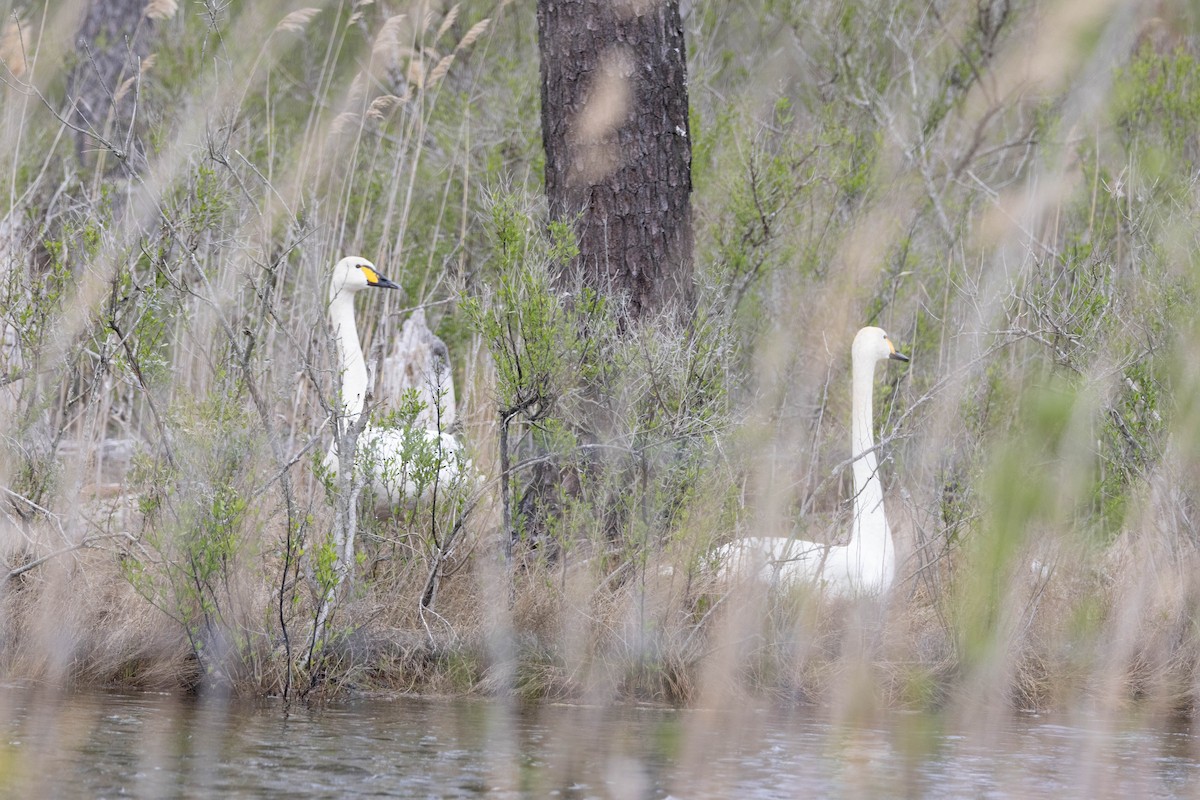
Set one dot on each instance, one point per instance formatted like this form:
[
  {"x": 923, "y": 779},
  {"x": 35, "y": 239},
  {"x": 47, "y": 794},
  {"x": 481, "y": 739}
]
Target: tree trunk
[
  {"x": 111, "y": 46},
  {"x": 618, "y": 152}
]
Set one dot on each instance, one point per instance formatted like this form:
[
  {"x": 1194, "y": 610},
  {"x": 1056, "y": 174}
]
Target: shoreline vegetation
[{"x": 1009, "y": 187}]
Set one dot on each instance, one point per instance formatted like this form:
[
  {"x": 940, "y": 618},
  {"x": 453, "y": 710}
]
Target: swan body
[
  {"x": 867, "y": 563},
  {"x": 405, "y": 463},
  {"x": 397, "y": 463}
]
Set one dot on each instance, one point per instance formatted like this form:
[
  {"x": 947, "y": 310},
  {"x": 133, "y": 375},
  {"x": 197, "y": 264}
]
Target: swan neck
[
  {"x": 870, "y": 548},
  {"x": 350, "y": 355},
  {"x": 862, "y": 439}
]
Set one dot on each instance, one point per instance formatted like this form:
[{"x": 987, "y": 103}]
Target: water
[{"x": 151, "y": 745}]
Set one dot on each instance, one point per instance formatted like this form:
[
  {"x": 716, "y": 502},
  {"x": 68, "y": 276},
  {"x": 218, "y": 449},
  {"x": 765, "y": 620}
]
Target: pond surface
[{"x": 152, "y": 745}]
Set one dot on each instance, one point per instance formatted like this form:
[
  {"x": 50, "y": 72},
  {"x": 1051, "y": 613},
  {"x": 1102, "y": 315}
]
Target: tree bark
[
  {"x": 111, "y": 44},
  {"x": 618, "y": 147}
]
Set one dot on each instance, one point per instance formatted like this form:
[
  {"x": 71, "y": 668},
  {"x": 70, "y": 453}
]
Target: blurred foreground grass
[{"x": 1009, "y": 188}]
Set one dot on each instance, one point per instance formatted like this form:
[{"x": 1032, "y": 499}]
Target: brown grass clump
[{"x": 79, "y": 622}]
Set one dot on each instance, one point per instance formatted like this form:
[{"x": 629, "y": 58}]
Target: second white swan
[{"x": 867, "y": 563}]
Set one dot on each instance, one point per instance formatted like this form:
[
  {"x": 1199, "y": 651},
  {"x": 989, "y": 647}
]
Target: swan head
[
  {"x": 353, "y": 274},
  {"x": 874, "y": 345}
]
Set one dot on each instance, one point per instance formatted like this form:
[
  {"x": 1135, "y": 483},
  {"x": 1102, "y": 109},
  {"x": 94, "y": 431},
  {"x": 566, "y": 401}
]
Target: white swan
[
  {"x": 398, "y": 463},
  {"x": 867, "y": 563}
]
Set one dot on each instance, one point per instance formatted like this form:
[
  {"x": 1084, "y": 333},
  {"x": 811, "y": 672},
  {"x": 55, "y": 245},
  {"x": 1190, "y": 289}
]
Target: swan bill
[
  {"x": 892, "y": 354},
  {"x": 377, "y": 280}
]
